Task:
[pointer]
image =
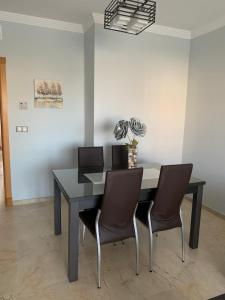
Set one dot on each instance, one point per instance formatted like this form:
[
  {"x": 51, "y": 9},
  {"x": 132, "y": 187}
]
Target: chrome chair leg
[
  {"x": 98, "y": 249},
  {"x": 150, "y": 237},
  {"x": 83, "y": 233},
  {"x": 182, "y": 236},
  {"x": 136, "y": 241}
]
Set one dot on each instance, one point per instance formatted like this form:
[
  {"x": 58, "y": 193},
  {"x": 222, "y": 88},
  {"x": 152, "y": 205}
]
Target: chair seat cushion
[
  {"x": 107, "y": 235},
  {"x": 157, "y": 223}
]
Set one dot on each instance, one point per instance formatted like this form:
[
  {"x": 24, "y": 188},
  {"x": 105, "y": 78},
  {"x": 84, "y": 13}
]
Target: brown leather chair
[
  {"x": 164, "y": 212},
  {"x": 90, "y": 157},
  {"x": 119, "y": 156},
  {"x": 115, "y": 220}
]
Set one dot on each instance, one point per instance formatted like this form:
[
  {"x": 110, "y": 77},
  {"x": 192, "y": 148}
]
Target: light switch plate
[{"x": 23, "y": 105}]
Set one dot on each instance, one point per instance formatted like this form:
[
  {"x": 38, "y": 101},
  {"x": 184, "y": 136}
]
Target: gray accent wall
[
  {"x": 39, "y": 53},
  {"x": 89, "y": 69},
  {"x": 204, "y": 137}
]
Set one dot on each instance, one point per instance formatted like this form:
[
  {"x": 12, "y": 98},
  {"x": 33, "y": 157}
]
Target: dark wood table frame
[{"x": 77, "y": 204}]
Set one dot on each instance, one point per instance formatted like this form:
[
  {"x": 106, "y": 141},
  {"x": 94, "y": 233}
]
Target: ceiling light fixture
[{"x": 130, "y": 16}]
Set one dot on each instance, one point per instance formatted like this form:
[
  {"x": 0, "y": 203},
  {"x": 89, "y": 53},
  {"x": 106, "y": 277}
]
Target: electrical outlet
[
  {"x": 23, "y": 129},
  {"x": 18, "y": 128}
]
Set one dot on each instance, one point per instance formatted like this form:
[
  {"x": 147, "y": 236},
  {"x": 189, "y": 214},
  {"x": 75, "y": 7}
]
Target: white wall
[
  {"x": 38, "y": 53},
  {"x": 143, "y": 76},
  {"x": 204, "y": 138}
]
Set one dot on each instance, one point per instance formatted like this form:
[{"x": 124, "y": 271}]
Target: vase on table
[
  {"x": 132, "y": 157},
  {"x": 125, "y": 129}
]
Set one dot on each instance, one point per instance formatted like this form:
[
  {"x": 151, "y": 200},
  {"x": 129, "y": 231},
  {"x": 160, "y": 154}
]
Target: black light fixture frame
[{"x": 143, "y": 10}]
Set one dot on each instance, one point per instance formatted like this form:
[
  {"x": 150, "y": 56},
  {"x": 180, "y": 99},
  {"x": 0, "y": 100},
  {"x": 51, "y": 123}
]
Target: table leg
[
  {"x": 57, "y": 208},
  {"x": 196, "y": 218},
  {"x": 73, "y": 242}
]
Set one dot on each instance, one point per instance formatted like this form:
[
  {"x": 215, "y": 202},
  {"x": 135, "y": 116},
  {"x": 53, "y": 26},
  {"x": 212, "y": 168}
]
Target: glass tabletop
[{"x": 87, "y": 182}]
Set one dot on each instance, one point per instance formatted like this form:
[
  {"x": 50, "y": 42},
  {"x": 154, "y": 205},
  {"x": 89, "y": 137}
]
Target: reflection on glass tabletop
[{"x": 79, "y": 183}]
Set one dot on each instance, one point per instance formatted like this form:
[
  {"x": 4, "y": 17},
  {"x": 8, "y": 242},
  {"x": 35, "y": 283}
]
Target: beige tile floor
[{"x": 33, "y": 261}]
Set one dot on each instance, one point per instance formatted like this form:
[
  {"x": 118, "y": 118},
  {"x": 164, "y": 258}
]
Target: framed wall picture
[{"x": 48, "y": 94}]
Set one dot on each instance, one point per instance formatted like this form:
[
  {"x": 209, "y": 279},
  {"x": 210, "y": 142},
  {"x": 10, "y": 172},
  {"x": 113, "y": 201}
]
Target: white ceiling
[{"x": 183, "y": 14}]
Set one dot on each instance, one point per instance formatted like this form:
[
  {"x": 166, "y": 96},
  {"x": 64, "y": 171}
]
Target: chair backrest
[
  {"x": 90, "y": 157},
  {"x": 122, "y": 190},
  {"x": 119, "y": 156},
  {"x": 172, "y": 186}
]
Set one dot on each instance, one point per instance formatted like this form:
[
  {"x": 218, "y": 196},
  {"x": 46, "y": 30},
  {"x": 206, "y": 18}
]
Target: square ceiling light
[{"x": 130, "y": 16}]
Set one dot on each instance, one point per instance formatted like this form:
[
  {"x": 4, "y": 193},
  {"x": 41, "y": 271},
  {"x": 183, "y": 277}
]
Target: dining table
[{"x": 84, "y": 189}]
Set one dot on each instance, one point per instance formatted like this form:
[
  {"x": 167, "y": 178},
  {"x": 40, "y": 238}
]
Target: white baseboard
[
  {"x": 31, "y": 201},
  {"x": 48, "y": 199},
  {"x": 209, "y": 209}
]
